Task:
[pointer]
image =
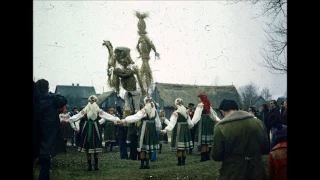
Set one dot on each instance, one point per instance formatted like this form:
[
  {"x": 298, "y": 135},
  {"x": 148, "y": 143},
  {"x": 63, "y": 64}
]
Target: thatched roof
[{"x": 189, "y": 93}]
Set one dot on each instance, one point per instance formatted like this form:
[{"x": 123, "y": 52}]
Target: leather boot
[
  {"x": 147, "y": 164},
  {"x": 96, "y": 164},
  {"x": 203, "y": 157},
  {"x": 142, "y": 164},
  {"x": 183, "y": 162},
  {"x": 179, "y": 161},
  {"x": 89, "y": 165}
]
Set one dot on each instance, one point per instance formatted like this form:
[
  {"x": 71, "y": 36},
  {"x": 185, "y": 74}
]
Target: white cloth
[
  {"x": 104, "y": 117},
  {"x": 198, "y": 112},
  {"x": 141, "y": 114}
]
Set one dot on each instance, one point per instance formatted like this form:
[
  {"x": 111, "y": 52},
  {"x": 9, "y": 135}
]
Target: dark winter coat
[
  {"x": 264, "y": 115},
  {"x": 284, "y": 116},
  {"x": 239, "y": 141},
  {"x": 274, "y": 116},
  {"x": 52, "y": 142},
  {"x": 36, "y": 122}
]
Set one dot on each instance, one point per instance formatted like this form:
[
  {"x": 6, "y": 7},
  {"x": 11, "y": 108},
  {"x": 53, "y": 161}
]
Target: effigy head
[
  {"x": 141, "y": 23},
  {"x": 106, "y": 43},
  {"x": 122, "y": 55}
]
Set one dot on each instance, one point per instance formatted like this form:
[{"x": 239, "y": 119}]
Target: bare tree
[
  {"x": 248, "y": 93},
  {"x": 265, "y": 93},
  {"x": 274, "y": 54}
]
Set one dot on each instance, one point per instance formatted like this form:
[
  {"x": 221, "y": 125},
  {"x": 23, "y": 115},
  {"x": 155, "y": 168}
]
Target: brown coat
[
  {"x": 239, "y": 141},
  {"x": 277, "y": 165}
]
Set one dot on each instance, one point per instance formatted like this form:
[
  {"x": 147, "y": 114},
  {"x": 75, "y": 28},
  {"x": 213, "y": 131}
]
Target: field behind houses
[{"x": 72, "y": 165}]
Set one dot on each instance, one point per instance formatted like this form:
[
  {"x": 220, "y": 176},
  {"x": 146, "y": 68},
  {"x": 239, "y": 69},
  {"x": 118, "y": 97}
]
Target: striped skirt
[
  {"x": 90, "y": 140},
  {"x": 147, "y": 137},
  {"x": 204, "y": 132},
  {"x": 109, "y": 132},
  {"x": 181, "y": 137}
]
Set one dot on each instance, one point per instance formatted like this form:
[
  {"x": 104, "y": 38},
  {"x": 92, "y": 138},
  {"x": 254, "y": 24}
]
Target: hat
[
  {"x": 281, "y": 132},
  {"x": 252, "y": 109},
  {"x": 227, "y": 105},
  {"x": 191, "y": 104}
]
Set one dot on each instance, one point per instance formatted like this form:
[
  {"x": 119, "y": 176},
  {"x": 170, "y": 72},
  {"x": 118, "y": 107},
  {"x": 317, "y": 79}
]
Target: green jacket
[{"x": 239, "y": 141}]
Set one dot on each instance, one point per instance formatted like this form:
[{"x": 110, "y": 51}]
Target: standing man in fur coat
[{"x": 239, "y": 141}]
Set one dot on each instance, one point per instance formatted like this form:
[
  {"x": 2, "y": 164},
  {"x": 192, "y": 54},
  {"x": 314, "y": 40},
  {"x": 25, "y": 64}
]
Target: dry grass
[{"x": 72, "y": 166}]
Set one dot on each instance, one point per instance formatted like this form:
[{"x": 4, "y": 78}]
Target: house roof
[
  {"x": 189, "y": 93},
  {"x": 103, "y": 97},
  {"x": 75, "y": 95},
  {"x": 258, "y": 98},
  {"x": 280, "y": 99}
]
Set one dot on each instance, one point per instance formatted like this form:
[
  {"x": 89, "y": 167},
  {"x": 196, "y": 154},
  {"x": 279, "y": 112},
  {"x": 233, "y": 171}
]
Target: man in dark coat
[
  {"x": 239, "y": 141},
  {"x": 51, "y": 140},
  {"x": 274, "y": 120},
  {"x": 36, "y": 123}
]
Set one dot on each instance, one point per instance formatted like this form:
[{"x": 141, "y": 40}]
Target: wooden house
[{"x": 164, "y": 94}]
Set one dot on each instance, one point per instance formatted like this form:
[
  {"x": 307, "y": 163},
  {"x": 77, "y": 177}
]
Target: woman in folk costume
[
  {"x": 147, "y": 136},
  {"x": 64, "y": 119},
  {"x": 179, "y": 124},
  {"x": 110, "y": 131},
  {"x": 206, "y": 117},
  {"x": 90, "y": 140},
  {"x": 164, "y": 123}
]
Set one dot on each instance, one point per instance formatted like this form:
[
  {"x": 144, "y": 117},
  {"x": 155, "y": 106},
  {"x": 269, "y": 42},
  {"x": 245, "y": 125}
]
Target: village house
[{"x": 164, "y": 95}]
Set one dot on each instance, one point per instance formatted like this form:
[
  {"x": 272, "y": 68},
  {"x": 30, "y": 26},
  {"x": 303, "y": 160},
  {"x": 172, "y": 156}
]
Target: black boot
[
  {"x": 179, "y": 161},
  {"x": 96, "y": 164},
  {"x": 183, "y": 162},
  {"x": 203, "y": 157},
  {"x": 111, "y": 147},
  {"x": 65, "y": 147},
  {"x": 147, "y": 164},
  {"x": 190, "y": 151},
  {"x": 106, "y": 147},
  {"x": 138, "y": 154},
  {"x": 160, "y": 148},
  {"x": 89, "y": 165},
  {"x": 207, "y": 155},
  {"x": 142, "y": 164}
]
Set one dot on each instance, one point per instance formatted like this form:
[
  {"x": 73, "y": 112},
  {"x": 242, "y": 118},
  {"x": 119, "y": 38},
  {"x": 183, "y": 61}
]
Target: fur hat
[
  {"x": 227, "y": 105},
  {"x": 281, "y": 132}
]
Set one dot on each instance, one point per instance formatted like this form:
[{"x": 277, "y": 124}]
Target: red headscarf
[
  {"x": 63, "y": 108},
  {"x": 206, "y": 102}
]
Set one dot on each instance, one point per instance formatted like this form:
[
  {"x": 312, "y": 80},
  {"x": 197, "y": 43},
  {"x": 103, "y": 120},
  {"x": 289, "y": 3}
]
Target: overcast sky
[{"x": 200, "y": 42}]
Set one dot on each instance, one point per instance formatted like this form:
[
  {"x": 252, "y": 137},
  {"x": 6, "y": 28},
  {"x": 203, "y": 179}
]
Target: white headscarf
[
  {"x": 93, "y": 109},
  {"x": 94, "y": 97},
  {"x": 149, "y": 106},
  {"x": 180, "y": 108}
]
